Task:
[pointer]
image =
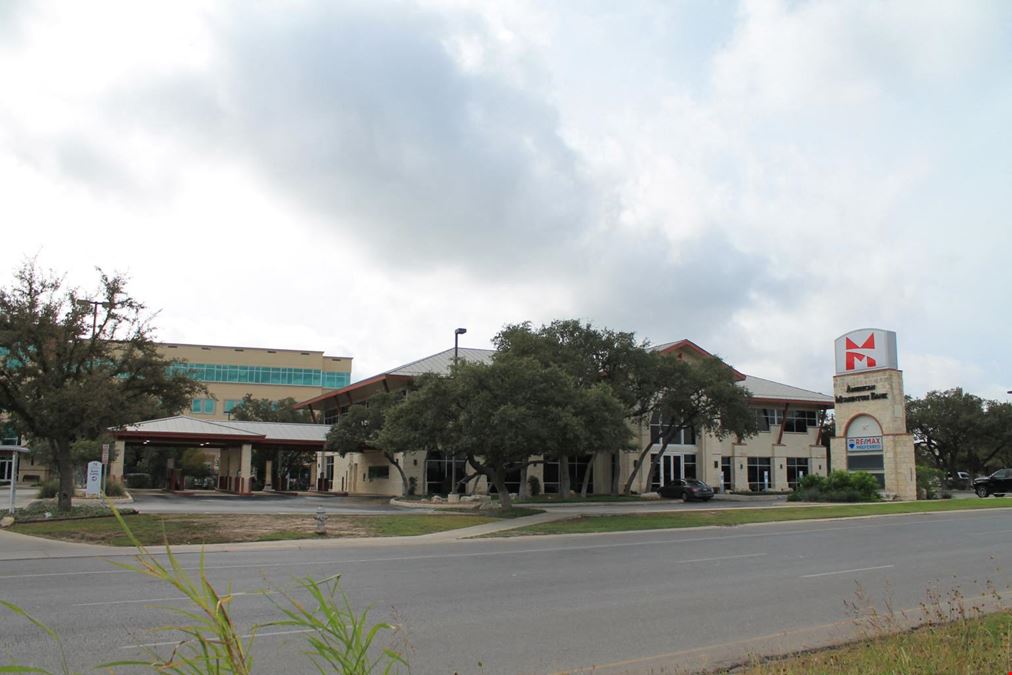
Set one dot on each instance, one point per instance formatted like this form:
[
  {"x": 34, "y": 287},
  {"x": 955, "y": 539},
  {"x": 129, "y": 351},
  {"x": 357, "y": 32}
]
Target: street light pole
[
  {"x": 453, "y": 460},
  {"x": 94, "y": 313}
]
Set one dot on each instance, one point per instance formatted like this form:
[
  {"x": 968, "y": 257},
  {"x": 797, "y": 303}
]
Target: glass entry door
[
  {"x": 6, "y": 467},
  {"x": 668, "y": 468}
]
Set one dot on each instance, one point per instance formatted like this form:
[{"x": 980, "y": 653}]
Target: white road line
[
  {"x": 177, "y": 597},
  {"x": 248, "y": 635},
  {"x": 723, "y": 557},
  {"x": 856, "y": 569}
]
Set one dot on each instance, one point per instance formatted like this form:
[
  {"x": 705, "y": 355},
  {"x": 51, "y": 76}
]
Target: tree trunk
[
  {"x": 586, "y": 475},
  {"x": 64, "y": 467},
  {"x": 653, "y": 463},
  {"x": 499, "y": 479},
  {"x": 405, "y": 484},
  {"x": 563, "y": 477}
]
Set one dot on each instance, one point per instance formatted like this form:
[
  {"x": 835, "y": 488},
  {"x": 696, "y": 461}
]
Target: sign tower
[{"x": 871, "y": 418}]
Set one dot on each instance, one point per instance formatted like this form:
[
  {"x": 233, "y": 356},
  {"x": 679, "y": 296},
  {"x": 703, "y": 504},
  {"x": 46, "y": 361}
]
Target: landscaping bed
[
  {"x": 176, "y": 529},
  {"x": 45, "y": 510},
  {"x": 742, "y": 516}
]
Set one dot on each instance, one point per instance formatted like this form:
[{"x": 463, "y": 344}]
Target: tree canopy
[
  {"x": 74, "y": 364},
  {"x": 955, "y": 430},
  {"x": 360, "y": 428}
]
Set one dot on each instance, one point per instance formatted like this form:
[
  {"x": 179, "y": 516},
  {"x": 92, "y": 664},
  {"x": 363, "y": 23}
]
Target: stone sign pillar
[{"x": 871, "y": 418}]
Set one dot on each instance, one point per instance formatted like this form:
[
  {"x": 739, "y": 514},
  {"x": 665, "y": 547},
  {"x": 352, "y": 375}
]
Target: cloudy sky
[{"x": 363, "y": 177}]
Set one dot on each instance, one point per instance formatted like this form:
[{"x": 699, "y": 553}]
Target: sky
[{"x": 363, "y": 177}]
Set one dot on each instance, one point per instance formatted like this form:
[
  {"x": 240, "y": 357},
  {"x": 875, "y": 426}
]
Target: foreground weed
[{"x": 341, "y": 639}]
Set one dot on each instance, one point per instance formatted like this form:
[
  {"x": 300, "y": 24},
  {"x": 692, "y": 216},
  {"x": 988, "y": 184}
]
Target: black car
[
  {"x": 687, "y": 489},
  {"x": 998, "y": 483}
]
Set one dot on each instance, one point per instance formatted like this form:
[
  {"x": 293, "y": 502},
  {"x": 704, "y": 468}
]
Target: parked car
[
  {"x": 687, "y": 489},
  {"x": 960, "y": 480},
  {"x": 998, "y": 483}
]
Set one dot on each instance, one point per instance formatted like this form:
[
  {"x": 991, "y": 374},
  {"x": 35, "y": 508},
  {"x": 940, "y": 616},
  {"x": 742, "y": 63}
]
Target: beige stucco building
[{"x": 789, "y": 444}]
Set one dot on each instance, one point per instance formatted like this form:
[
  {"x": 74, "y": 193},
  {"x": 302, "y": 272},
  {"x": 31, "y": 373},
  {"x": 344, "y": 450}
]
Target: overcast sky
[{"x": 363, "y": 177}]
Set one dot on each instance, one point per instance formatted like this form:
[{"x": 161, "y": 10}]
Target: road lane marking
[
  {"x": 244, "y": 637},
  {"x": 177, "y": 597},
  {"x": 856, "y": 569}
]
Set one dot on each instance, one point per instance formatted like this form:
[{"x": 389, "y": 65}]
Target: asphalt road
[{"x": 544, "y": 604}]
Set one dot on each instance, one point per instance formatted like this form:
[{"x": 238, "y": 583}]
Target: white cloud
[{"x": 365, "y": 177}]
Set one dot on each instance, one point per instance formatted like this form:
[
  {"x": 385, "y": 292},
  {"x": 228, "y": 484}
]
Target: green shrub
[
  {"x": 48, "y": 489},
  {"x": 839, "y": 486},
  {"x": 114, "y": 488},
  {"x": 929, "y": 481},
  {"x": 533, "y": 486}
]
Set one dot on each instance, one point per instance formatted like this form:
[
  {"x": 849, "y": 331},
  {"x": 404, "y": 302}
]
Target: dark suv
[{"x": 998, "y": 483}]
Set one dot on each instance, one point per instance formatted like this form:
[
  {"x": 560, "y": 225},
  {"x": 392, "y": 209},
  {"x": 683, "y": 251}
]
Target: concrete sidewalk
[{"x": 14, "y": 546}]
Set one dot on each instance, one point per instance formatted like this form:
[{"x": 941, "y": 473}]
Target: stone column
[
  {"x": 116, "y": 462},
  {"x": 268, "y": 475},
  {"x": 245, "y": 486}
]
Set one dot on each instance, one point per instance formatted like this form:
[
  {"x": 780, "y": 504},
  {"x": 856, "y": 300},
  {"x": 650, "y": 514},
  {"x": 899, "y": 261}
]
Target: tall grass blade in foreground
[{"x": 341, "y": 640}]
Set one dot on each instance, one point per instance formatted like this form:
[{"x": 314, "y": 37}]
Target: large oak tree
[{"x": 74, "y": 364}]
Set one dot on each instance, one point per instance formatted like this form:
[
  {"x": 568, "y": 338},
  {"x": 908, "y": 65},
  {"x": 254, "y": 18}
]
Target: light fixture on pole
[{"x": 456, "y": 335}]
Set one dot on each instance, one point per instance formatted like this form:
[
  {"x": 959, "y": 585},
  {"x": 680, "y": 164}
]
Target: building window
[
  {"x": 231, "y": 403},
  {"x": 800, "y": 421},
  {"x": 682, "y": 436},
  {"x": 379, "y": 472},
  {"x": 202, "y": 406},
  {"x": 578, "y": 466},
  {"x": 442, "y": 472},
  {"x": 760, "y": 474},
  {"x": 8, "y": 436},
  {"x": 768, "y": 417},
  {"x": 236, "y": 374},
  {"x": 797, "y": 468}
]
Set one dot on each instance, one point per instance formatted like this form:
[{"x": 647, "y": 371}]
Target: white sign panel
[
  {"x": 865, "y": 349},
  {"x": 864, "y": 444},
  {"x": 94, "y": 484},
  {"x": 105, "y": 453}
]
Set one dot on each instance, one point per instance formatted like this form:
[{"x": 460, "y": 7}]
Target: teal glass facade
[{"x": 298, "y": 377}]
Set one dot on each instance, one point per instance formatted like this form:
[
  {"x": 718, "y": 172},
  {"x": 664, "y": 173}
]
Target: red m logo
[{"x": 853, "y": 355}]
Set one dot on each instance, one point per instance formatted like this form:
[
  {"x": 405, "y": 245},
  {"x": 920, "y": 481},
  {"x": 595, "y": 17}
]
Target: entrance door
[
  {"x": 670, "y": 468},
  {"x": 6, "y": 468}
]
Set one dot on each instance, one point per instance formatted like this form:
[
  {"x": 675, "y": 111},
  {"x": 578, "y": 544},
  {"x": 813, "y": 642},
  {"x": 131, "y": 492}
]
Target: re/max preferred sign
[{"x": 864, "y": 444}]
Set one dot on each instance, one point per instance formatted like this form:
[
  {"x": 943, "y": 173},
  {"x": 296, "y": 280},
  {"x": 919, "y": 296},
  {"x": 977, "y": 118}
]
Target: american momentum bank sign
[{"x": 865, "y": 349}]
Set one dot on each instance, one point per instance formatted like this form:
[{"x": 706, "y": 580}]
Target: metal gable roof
[{"x": 769, "y": 390}]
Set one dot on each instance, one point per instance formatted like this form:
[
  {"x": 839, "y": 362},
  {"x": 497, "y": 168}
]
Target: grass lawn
[
  {"x": 978, "y": 645},
  {"x": 741, "y": 516},
  {"x": 155, "y": 529}
]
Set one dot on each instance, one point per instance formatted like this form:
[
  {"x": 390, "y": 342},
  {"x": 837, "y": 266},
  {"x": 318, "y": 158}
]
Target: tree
[
  {"x": 360, "y": 429},
  {"x": 592, "y": 357},
  {"x": 71, "y": 367},
  {"x": 702, "y": 396},
  {"x": 954, "y": 430},
  {"x": 496, "y": 415},
  {"x": 251, "y": 409}
]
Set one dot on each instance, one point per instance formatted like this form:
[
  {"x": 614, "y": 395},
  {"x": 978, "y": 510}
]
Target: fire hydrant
[{"x": 321, "y": 520}]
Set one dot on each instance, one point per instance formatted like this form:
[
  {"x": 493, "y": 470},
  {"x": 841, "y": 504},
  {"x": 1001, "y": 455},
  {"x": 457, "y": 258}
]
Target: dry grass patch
[{"x": 178, "y": 529}]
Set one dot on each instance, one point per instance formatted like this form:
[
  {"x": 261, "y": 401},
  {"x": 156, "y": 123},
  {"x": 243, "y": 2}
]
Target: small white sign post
[{"x": 94, "y": 485}]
